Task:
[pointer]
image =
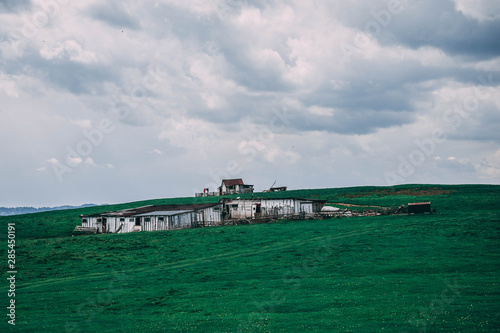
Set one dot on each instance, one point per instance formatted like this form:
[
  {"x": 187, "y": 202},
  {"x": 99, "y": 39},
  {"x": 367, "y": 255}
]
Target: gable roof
[{"x": 232, "y": 182}]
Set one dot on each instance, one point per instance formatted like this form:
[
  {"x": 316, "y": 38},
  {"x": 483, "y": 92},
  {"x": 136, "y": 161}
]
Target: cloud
[
  {"x": 265, "y": 84},
  {"x": 438, "y": 24},
  {"x": 75, "y": 161},
  {"x": 461, "y": 165},
  {"x": 157, "y": 151},
  {"x": 8, "y": 85},
  {"x": 114, "y": 14},
  {"x": 69, "y": 50},
  {"x": 82, "y": 123},
  {"x": 489, "y": 167},
  {"x": 480, "y": 10},
  {"x": 14, "y": 6},
  {"x": 90, "y": 161}
]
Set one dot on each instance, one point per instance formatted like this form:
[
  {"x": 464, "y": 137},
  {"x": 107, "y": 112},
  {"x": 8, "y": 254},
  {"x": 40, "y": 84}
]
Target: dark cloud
[
  {"x": 113, "y": 13},
  {"x": 64, "y": 74},
  {"x": 351, "y": 121},
  {"x": 14, "y": 6},
  {"x": 429, "y": 23},
  {"x": 77, "y": 78},
  {"x": 439, "y": 24}
]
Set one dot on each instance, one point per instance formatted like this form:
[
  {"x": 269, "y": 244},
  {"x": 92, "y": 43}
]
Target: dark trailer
[{"x": 419, "y": 208}]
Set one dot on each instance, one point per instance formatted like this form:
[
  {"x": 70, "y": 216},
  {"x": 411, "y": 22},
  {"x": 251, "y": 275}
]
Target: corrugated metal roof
[
  {"x": 155, "y": 208},
  {"x": 165, "y": 213}
]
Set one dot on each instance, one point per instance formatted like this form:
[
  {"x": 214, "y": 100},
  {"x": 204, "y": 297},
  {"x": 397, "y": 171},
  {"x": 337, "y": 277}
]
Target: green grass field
[{"x": 422, "y": 273}]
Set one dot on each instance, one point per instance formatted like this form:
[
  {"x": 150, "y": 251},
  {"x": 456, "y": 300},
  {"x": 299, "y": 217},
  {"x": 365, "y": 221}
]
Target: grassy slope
[{"x": 351, "y": 274}]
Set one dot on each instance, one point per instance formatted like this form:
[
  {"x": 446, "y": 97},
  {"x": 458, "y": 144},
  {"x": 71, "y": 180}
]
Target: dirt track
[
  {"x": 410, "y": 192},
  {"x": 351, "y": 205}
]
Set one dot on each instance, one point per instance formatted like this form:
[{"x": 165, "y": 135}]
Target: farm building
[
  {"x": 228, "y": 186},
  {"x": 168, "y": 217},
  {"x": 419, "y": 208},
  {"x": 151, "y": 218},
  {"x": 277, "y": 189},
  {"x": 255, "y": 208},
  {"x": 234, "y": 186}
]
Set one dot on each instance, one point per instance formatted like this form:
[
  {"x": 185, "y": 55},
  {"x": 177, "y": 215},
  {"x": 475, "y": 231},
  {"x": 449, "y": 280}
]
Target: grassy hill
[{"x": 424, "y": 273}]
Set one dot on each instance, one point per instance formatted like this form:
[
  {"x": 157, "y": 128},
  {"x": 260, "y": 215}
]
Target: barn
[
  {"x": 275, "y": 207},
  {"x": 154, "y": 217},
  {"x": 168, "y": 217}
]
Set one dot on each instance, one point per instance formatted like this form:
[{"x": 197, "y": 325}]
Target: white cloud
[
  {"x": 89, "y": 161},
  {"x": 69, "y": 49},
  {"x": 489, "y": 167},
  {"x": 8, "y": 85},
  {"x": 321, "y": 111},
  {"x": 479, "y": 9},
  {"x": 82, "y": 123},
  {"x": 74, "y": 161}
]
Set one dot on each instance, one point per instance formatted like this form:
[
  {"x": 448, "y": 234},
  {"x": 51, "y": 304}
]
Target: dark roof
[
  {"x": 419, "y": 203},
  {"x": 232, "y": 182},
  {"x": 154, "y": 208}
]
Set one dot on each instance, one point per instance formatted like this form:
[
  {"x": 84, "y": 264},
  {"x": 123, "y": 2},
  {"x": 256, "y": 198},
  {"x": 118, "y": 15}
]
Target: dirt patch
[
  {"x": 351, "y": 205},
  {"x": 409, "y": 192}
]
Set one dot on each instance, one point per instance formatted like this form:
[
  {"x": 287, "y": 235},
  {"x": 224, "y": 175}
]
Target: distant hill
[{"x": 7, "y": 211}]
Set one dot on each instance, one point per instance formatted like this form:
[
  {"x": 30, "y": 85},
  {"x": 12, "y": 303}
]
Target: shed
[
  {"x": 155, "y": 217},
  {"x": 419, "y": 208},
  {"x": 265, "y": 207},
  {"x": 277, "y": 189}
]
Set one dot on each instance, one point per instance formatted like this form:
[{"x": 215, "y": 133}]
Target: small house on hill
[{"x": 234, "y": 186}]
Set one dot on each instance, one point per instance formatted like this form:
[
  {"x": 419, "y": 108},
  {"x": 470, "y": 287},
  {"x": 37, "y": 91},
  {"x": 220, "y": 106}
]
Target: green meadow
[{"x": 436, "y": 272}]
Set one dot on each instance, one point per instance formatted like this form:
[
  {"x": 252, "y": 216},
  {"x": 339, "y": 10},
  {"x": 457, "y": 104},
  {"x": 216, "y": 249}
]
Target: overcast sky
[{"x": 115, "y": 101}]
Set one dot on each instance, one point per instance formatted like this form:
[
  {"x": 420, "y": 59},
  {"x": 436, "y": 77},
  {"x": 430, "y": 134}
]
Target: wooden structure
[
  {"x": 151, "y": 218},
  {"x": 277, "y": 189},
  {"x": 271, "y": 207},
  {"x": 234, "y": 186},
  {"x": 91, "y": 230},
  {"x": 419, "y": 208},
  {"x": 226, "y": 211}
]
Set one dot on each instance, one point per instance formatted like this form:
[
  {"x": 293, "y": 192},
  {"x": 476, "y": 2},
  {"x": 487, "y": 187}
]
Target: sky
[{"x": 119, "y": 101}]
